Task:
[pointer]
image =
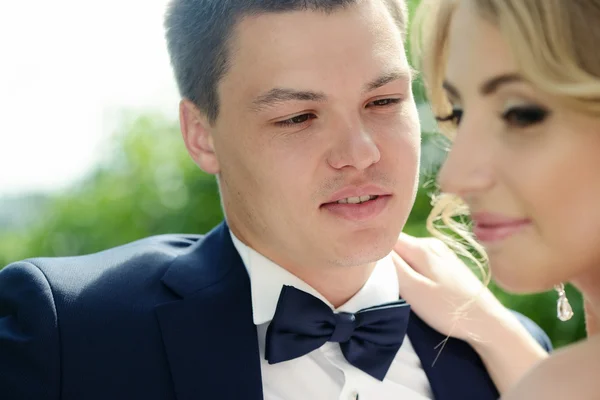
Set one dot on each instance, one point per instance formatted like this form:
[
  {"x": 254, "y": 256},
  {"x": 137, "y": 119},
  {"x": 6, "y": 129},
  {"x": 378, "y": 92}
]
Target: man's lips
[
  {"x": 358, "y": 212},
  {"x": 364, "y": 193}
]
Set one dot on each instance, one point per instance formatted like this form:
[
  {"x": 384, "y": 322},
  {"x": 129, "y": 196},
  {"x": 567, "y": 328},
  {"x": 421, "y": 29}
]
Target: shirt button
[{"x": 354, "y": 396}]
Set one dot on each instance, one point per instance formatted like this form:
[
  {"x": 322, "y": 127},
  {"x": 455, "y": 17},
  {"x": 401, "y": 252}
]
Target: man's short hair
[{"x": 198, "y": 32}]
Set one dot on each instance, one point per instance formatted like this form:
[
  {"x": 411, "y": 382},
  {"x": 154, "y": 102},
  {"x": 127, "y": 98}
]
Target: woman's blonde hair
[{"x": 556, "y": 44}]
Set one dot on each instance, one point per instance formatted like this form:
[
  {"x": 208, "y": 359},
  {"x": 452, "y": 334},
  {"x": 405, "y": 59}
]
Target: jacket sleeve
[{"x": 29, "y": 336}]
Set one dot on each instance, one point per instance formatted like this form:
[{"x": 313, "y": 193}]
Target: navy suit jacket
[{"x": 166, "y": 317}]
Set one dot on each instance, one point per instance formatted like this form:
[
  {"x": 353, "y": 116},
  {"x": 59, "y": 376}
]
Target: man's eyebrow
[
  {"x": 388, "y": 77},
  {"x": 280, "y": 95}
]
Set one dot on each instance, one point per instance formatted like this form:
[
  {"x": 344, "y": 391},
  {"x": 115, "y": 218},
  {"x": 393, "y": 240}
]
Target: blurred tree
[
  {"x": 148, "y": 185},
  {"x": 418, "y": 87}
]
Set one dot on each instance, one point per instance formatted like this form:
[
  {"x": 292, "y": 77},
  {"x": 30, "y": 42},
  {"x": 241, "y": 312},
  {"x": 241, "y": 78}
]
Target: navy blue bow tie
[{"x": 369, "y": 339}]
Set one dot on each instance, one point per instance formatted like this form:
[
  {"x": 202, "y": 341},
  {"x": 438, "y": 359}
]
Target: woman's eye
[
  {"x": 454, "y": 117},
  {"x": 522, "y": 117}
]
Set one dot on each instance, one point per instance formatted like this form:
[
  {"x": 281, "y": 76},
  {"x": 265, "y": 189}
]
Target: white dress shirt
[{"x": 324, "y": 374}]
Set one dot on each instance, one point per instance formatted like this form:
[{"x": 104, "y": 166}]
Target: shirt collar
[{"x": 267, "y": 279}]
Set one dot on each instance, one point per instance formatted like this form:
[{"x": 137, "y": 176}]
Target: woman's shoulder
[{"x": 569, "y": 373}]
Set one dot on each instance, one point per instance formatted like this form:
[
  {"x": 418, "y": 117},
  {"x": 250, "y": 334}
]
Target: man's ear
[{"x": 197, "y": 136}]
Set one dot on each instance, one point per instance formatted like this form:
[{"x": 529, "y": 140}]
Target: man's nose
[{"x": 356, "y": 148}]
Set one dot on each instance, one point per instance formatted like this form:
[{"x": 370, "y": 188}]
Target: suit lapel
[
  {"x": 211, "y": 342},
  {"x": 209, "y": 335},
  {"x": 454, "y": 372}
]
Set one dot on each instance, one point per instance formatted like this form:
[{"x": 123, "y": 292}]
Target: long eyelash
[
  {"x": 452, "y": 117},
  {"x": 447, "y": 118},
  {"x": 533, "y": 114}
]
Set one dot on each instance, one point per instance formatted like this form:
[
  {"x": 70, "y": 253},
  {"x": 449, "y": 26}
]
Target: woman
[{"x": 516, "y": 87}]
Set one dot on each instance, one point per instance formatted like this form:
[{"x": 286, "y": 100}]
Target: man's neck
[{"x": 336, "y": 284}]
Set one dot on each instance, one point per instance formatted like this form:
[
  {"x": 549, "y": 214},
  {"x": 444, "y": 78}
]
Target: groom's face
[{"x": 316, "y": 113}]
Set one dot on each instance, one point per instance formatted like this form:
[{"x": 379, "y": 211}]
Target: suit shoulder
[
  {"x": 144, "y": 258},
  {"x": 167, "y": 245}
]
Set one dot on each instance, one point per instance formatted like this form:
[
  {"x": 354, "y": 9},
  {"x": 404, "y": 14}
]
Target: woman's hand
[
  {"x": 443, "y": 291},
  {"x": 447, "y": 295}
]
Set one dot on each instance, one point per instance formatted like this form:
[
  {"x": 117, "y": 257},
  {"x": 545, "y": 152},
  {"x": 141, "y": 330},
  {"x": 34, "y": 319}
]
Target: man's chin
[{"x": 365, "y": 254}]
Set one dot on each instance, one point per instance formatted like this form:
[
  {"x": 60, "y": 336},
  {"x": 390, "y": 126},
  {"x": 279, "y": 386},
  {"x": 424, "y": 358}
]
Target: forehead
[
  {"x": 476, "y": 49},
  {"x": 300, "y": 48}
]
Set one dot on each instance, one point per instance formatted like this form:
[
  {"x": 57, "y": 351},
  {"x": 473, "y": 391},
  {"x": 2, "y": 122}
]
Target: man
[{"x": 303, "y": 110}]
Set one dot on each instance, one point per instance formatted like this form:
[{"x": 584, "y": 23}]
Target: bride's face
[{"x": 528, "y": 167}]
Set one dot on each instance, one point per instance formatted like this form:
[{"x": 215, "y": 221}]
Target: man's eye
[
  {"x": 297, "y": 120},
  {"x": 384, "y": 102}
]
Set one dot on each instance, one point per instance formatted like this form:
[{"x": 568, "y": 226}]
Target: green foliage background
[{"x": 148, "y": 185}]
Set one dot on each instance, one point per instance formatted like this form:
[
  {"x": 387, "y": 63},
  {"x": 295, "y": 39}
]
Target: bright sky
[{"x": 67, "y": 67}]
